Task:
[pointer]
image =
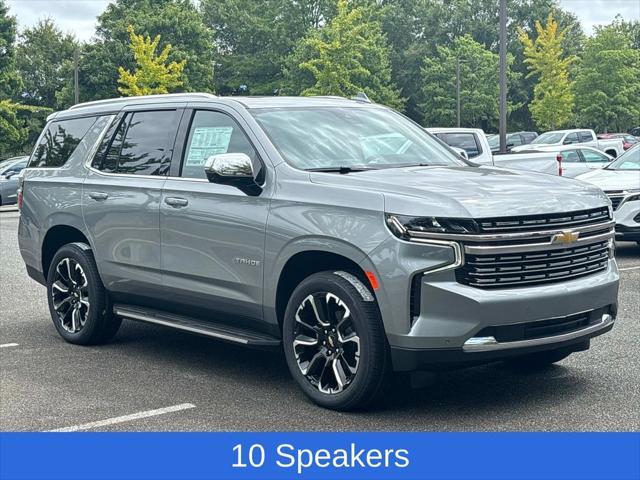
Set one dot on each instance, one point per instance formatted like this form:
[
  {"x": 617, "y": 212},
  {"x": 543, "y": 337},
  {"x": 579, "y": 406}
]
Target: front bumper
[
  {"x": 627, "y": 218},
  {"x": 454, "y": 318}
]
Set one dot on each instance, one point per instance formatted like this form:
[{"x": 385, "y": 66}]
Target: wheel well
[
  {"x": 55, "y": 238},
  {"x": 304, "y": 264}
]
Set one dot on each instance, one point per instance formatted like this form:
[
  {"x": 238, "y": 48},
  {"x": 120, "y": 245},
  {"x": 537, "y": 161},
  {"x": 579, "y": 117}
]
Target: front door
[{"x": 213, "y": 235}]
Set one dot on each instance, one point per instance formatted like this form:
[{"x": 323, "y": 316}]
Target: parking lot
[{"x": 153, "y": 378}]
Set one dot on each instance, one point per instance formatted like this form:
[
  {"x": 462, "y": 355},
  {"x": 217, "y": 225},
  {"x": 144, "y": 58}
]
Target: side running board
[{"x": 207, "y": 328}]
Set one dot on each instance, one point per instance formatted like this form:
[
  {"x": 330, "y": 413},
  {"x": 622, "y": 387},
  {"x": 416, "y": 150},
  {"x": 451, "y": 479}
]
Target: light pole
[
  {"x": 458, "y": 92},
  {"x": 503, "y": 76},
  {"x": 76, "y": 83}
]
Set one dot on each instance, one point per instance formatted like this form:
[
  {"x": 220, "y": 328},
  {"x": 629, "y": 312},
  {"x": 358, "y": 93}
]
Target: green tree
[
  {"x": 153, "y": 75},
  {"x": 607, "y": 85},
  {"x": 10, "y": 82},
  {"x": 553, "y": 99},
  {"x": 12, "y": 133},
  {"x": 347, "y": 56},
  {"x": 178, "y": 22},
  {"x": 253, "y": 39},
  {"x": 479, "y": 91},
  {"x": 42, "y": 54}
]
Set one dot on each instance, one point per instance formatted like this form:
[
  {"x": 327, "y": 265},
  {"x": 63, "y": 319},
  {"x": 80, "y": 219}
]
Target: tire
[
  {"x": 74, "y": 268},
  {"x": 331, "y": 374},
  {"x": 539, "y": 360}
]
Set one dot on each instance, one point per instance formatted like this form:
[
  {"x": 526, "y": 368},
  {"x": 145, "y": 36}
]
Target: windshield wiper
[{"x": 340, "y": 170}]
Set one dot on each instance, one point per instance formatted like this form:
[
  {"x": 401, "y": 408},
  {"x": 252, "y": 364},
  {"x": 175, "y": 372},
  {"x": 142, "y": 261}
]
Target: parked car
[
  {"x": 635, "y": 132},
  {"x": 513, "y": 140},
  {"x": 471, "y": 140},
  {"x": 584, "y": 137},
  {"x": 621, "y": 182},
  {"x": 567, "y": 161},
  {"x": 9, "y": 170},
  {"x": 628, "y": 140},
  {"x": 282, "y": 222}
]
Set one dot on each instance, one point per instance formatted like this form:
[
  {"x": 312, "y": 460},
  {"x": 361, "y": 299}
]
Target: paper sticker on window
[{"x": 207, "y": 141}]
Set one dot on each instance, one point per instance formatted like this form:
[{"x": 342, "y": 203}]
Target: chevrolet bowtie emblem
[{"x": 566, "y": 237}]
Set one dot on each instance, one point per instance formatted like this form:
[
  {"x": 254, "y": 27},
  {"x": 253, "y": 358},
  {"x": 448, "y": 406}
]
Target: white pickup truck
[
  {"x": 575, "y": 137},
  {"x": 567, "y": 160}
]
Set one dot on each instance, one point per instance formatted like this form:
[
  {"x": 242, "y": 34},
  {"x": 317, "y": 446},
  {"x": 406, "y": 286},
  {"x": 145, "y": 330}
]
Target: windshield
[
  {"x": 629, "y": 160},
  {"x": 549, "y": 137},
  {"x": 347, "y": 137}
]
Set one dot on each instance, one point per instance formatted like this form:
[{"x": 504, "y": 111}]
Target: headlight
[
  {"x": 402, "y": 225},
  {"x": 630, "y": 196}
]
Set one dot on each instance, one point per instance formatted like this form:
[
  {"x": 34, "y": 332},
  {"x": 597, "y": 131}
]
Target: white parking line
[
  {"x": 629, "y": 268},
  {"x": 7, "y": 345},
  {"x": 125, "y": 418}
]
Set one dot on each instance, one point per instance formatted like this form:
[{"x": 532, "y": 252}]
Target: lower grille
[
  {"x": 541, "y": 328},
  {"x": 533, "y": 268}
]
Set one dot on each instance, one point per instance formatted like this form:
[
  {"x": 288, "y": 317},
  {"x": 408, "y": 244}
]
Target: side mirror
[
  {"x": 567, "y": 142},
  {"x": 234, "y": 169},
  {"x": 9, "y": 174},
  {"x": 461, "y": 152}
]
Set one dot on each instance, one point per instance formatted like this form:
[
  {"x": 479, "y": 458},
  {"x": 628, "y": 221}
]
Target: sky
[{"x": 79, "y": 16}]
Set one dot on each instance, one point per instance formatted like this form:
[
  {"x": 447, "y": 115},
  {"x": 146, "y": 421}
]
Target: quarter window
[
  {"x": 59, "y": 140},
  {"x": 212, "y": 133}
]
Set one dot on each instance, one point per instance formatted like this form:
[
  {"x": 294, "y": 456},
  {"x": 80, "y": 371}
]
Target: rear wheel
[
  {"x": 334, "y": 341},
  {"x": 78, "y": 301}
]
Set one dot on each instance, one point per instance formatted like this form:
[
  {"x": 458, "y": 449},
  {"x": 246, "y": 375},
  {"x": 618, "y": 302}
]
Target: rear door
[
  {"x": 587, "y": 138},
  {"x": 213, "y": 235},
  {"x": 121, "y": 199}
]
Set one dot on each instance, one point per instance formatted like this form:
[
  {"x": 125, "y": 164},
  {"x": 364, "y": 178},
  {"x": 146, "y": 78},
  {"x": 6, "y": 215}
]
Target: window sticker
[{"x": 207, "y": 141}]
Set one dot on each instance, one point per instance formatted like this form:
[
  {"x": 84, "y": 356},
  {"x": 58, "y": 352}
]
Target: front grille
[
  {"x": 533, "y": 268},
  {"x": 616, "y": 198},
  {"x": 534, "y": 223},
  {"x": 542, "y": 328}
]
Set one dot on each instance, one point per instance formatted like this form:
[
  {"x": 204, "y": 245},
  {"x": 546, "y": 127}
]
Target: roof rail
[{"x": 121, "y": 99}]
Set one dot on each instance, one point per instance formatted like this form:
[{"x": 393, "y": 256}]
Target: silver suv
[{"x": 335, "y": 229}]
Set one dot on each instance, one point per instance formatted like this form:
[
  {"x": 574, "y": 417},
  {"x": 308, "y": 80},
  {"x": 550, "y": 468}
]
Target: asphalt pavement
[{"x": 154, "y": 378}]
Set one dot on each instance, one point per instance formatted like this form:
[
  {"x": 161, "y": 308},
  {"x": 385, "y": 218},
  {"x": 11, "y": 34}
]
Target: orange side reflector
[{"x": 372, "y": 280}]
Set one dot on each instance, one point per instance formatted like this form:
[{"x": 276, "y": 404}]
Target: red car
[{"x": 628, "y": 140}]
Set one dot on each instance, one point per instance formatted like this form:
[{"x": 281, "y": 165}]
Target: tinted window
[
  {"x": 107, "y": 156},
  {"x": 146, "y": 149},
  {"x": 571, "y": 156},
  {"x": 212, "y": 133},
  {"x": 586, "y": 137},
  {"x": 466, "y": 141},
  {"x": 571, "y": 138},
  {"x": 59, "y": 140},
  {"x": 591, "y": 156}
]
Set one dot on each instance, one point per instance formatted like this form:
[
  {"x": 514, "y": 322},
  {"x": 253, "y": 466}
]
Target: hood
[
  {"x": 475, "y": 192},
  {"x": 612, "y": 179}
]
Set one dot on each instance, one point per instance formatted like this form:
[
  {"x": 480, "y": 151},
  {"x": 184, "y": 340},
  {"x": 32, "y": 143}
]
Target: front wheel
[
  {"x": 334, "y": 341},
  {"x": 78, "y": 301}
]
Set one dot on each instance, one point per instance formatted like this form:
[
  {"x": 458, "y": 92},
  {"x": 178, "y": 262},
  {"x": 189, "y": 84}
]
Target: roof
[
  {"x": 115, "y": 104},
  {"x": 453, "y": 130}
]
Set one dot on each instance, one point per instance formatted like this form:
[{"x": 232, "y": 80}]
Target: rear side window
[
  {"x": 141, "y": 144},
  {"x": 58, "y": 142},
  {"x": 585, "y": 136},
  {"x": 466, "y": 141}
]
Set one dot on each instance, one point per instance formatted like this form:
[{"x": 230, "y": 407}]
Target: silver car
[
  {"x": 337, "y": 230},
  {"x": 620, "y": 180},
  {"x": 9, "y": 171}
]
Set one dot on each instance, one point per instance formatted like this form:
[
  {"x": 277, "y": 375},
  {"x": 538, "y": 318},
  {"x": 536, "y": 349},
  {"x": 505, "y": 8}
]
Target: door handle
[
  {"x": 176, "y": 202},
  {"x": 98, "y": 195}
]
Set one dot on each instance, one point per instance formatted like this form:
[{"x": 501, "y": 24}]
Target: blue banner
[{"x": 336, "y": 456}]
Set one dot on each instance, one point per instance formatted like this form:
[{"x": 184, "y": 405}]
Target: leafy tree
[
  {"x": 553, "y": 99},
  {"x": 12, "y": 134},
  {"x": 253, "y": 39},
  {"x": 43, "y": 51},
  {"x": 479, "y": 89},
  {"x": 10, "y": 82},
  {"x": 178, "y": 22},
  {"x": 153, "y": 74},
  {"x": 607, "y": 85},
  {"x": 347, "y": 56}
]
